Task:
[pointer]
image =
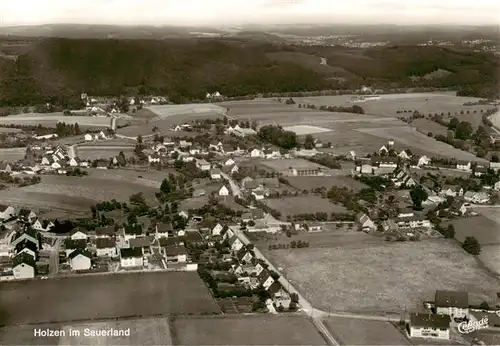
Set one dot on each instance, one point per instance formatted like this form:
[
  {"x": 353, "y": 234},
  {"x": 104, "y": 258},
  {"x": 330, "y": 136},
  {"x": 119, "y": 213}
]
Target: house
[
  {"x": 265, "y": 279},
  {"x": 217, "y": 230},
  {"x": 26, "y": 215},
  {"x": 102, "y": 165},
  {"x": 143, "y": 243},
  {"x": 383, "y": 150},
  {"x": 106, "y": 247},
  {"x": 428, "y": 325},
  {"x": 47, "y": 160},
  {"x": 175, "y": 253},
  {"x": 132, "y": 232},
  {"x": 184, "y": 214},
  {"x": 413, "y": 221},
  {"x": 404, "y": 155},
  {"x": 230, "y": 169},
  {"x": 154, "y": 158},
  {"x": 6, "y": 212},
  {"x": 229, "y": 162},
  {"x": 244, "y": 256},
  {"x": 304, "y": 170},
  {"x": 215, "y": 174},
  {"x": 23, "y": 266},
  {"x": 452, "y": 191},
  {"x": 228, "y": 149},
  {"x": 202, "y": 165},
  {"x": 495, "y": 166},
  {"x": 256, "y": 153},
  {"x": 88, "y": 137},
  {"x": 131, "y": 258},
  {"x": 78, "y": 233},
  {"x": 480, "y": 171},
  {"x": 74, "y": 162},
  {"x": 458, "y": 208},
  {"x": 56, "y": 165},
  {"x": 104, "y": 232},
  {"x": 497, "y": 186},
  {"x": 235, "y": 244},
  {"x": 163, "y": 230},
  {"x": 384, "y": 162},
  {"x": 5, "y": 167},
  {"x": 72, "y": 245},
  {"x": 476, "y": 197},
  {"x": 365, "y": 223},
  {"x": 28, "y": 234},
  {"x": 243, "y": 132},
  {"x": 258, "y": 194},
  {"x": 464, "y": 166},
  {"x": 26, "y": 247},
  {"x": 452, "y": 303},
  {"x": 423, "y": 161},
  {"x": 80, "y": 260},
  {"x": 248, "y": 183},
  {"x": 223, "y": 191}
]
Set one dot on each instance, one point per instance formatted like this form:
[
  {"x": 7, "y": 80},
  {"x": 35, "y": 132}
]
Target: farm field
[
  {"x": 105, "y": 296},
  {"x": 9, "y": 130},
  {"x": 167, "y": 111},
  {"x": 408, "y": 137},
  {"x": 389, "y": 104},
  {"x": 51, "y": 119},
  {"x": 383, "y": 278},
  {"x": 12, "y": 154},
  {"x": 245, "y": 330},
  {"x": 17, "y": 197},
  {"x": 350, "y": 331},
  {"x": 109, "y": 142},
  {"x": 305, "y": 129},
  {"x": 302, "y": 205},
  {"x": 425, "y": 126},
  {"x": 303, "y": 183},
  {"x": 105, "y": 153},
  {"x": 283, "y": 166}
]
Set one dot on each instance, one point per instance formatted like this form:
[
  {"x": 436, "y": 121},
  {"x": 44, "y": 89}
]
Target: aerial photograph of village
[{"x": 247, "y": 181}]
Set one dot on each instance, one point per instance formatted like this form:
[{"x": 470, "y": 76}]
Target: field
[
  {"x": 389, "y": 104},
  {"x": 9, "y": 130},
  {"x": 12, "y": 154},
  {"x": 385, "y": 278},
  {"x": 197, "y": 110},
  {"x": 407, "y": 137},
  {"x": 350, "y": 331},
  {"x": 120, "y": 142},
  {"x": 245, "y": 330},
  {"x": 79, "y": 193},
  {"x": 308, "y": 183},
  {"x": 283, "y": 166},
  {"x": 303, "y": 204},
  {"x": 105, "y": 296},
  {"x": 305, "y": 129},
  {"x": 486, "y": 229},
  {"x": 51, "y": 119},
  {"x": 105, "y": 153},
  {"x": 425, "y": 126}
]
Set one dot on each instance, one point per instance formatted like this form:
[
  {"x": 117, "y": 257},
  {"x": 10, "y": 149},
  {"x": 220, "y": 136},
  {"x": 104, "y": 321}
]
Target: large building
[
  {"x": 452, "y": 303},
  {"x": 428, "y": 325}
]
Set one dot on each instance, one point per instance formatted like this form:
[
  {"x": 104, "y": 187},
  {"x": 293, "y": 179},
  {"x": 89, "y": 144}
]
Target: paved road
[
  {"x": 234, "y": 187},
  {"x": 113, "y": 124},
  {"x": 54, "y": 257}
]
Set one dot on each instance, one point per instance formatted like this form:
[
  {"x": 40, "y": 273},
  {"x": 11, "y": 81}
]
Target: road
[
  {"x": 234, "y": 187},
  {"x": 72, "y": 151},
  {"x": 133, "y": 138},
  {"x": 54, "y": 257}
]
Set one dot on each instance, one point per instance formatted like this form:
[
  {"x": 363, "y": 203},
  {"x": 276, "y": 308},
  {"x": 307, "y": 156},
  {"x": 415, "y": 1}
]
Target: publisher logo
[{"x": 472, "y": 326}]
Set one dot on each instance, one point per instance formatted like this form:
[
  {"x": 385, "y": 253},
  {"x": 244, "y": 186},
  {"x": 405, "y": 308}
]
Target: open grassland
[
  {"x": 197, "y": 110},
  {"x": 389, "y": 104},
  {"x": 425, "y": 126},
  {"x": 120, "y": 142},
  {"x": 51, "y": 119},
  {"x": 79, "y": 193},
  {"x": 305, "y": 129},
  {"x": 105, "y": 153},
  {"x": 350, "y": 331},
  {"x": 303, "y": 204},
  {"x": 283, "y": 166},
  {"x": 245, "y": 330},
  {"x": 383, "y": 278},
  {"x": 308, "y": 183},
  {"x": 9, "y": 130},
  {"x": 105, "y": 296},
  {"x": 12, "y": 154},
  {"x": 407, "y": 137}
]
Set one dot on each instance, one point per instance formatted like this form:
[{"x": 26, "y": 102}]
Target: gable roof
[
  {"x": 24, "y": 212},
  {"x": 428, "y": 320},
  {"x": 448, "y": 299},
  {"x": 105, "y": 243},
  {"x": 78, "y": 229},
  {"x": 129, "y": 229},
  {"x": 23, "y": 258},
  {"x": 175, "y": 250},
  {"x": 77, "y": 252},
  {"x": 131, "y": 252},
  {"x": 75, "y": 244},
  {"x": 3, "y": 207},
  {"x": 109, "y": 231},
  {"x": 26, "y": 244},
  {"x": 140, "y": 242},
  {"x": 164, "y": 227}
]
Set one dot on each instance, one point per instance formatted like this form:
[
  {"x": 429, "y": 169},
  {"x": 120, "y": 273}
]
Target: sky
[{"x": 234, "y": 12}]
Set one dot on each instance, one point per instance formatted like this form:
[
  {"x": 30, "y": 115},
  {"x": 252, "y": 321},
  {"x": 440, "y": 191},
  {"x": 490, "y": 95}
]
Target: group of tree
[
  {"x": 63, "y": 130},
  {"x": 326, "y": 160},
  {"x": 356, "y": 109},
  {"x": 278, "y": 136}
]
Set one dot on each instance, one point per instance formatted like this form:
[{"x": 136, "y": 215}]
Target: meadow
[{"x": 51, "y": 119}]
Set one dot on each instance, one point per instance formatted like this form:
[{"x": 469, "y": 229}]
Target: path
[
  {"x": 234, "y": 187},
  {"x": 72, "y": 151},
  {"x": 54, "y": 257}
]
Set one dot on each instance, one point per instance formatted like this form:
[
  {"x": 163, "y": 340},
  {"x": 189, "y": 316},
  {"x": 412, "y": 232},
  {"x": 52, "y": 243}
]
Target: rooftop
[
  {"x": 447, "y": 299},
  {"x": 429, "y": 320},
  {"x": 130, "y": 252}
]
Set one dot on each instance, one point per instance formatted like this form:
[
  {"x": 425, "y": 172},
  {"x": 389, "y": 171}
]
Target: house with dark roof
[
  {"x": 78, "y": 233},
  {"x": 28, "y": 247},
  {"x": 105, "y": 232},
  {"x": 6, "y": 212},
  {"x": 80, "y": 259},
  {"x": 131, "y": 258},
  {"x": 452, "y": 303},
  {"x": 175, "y": 253},
  {"x": 26, "y": 215},
  {"x": 72, "y": 245},
  {"x": 428, "y": 325},
  {"x": 28, "y": 234},
  {"x": 143, "y": 243},
  {"x": 106, "y": 247},
  {"x": 132, "y": 232},
  {"x": 163, "y": 230},
  {"x": 23, "y": 266}
]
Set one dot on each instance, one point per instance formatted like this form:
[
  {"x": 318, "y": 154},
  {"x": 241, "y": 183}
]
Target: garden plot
[
  {"x": 408, "y": 137},
  {"x": 303, "y": 205},
  {"x": 384, "y": 278},
  {"x": 305, "y": 129}
]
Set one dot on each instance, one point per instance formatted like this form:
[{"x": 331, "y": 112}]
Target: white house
[
  {"x": 223, "y": 191},
  {"x": 162, "y": 230},
  {"x": 256, "y": 153},
  {"x": 131, "y": 258},
  {"x": 106, "y": 247},
  {"x": 6, "y": 212},
  {"x": 413, "y": 222},
  {"x": 383, "y": 150},
  {"x": 202, "y": 165},
  {"x": 497, "y": 186},
  {"x": 215, "y": 174},
  {"x": 78, "y": 233},
  {"x": 431, "y": 326},
  {"x": 229, "y": 162},
  {"x": 80, "y": 260},
  {"x": 495, "y": 166},
  {"x": 74, "y": 162},
  {"x": 217, "y": 229},
  {"x": 154, "y": 158},
  {"x": 55, "y": 165},
  {"x": 175, "y": 253},
  {"x": 452, "y": 303},
  {"x": 403, "y": 155},
  {"x": 23, "y": 266},
  {"x": 464, "y": 166},
  {"x": 27, "y": 215},
  {"x": 88, "y": 137},
  {"x": 258, "y": 194},
  {"x": 423, "y": 161},
  {"x": 365, "y": 223},
  {"x": 184, "y": 214},
  {"x": 476, "y": 197},
  {"x": 235, "y": 244}
]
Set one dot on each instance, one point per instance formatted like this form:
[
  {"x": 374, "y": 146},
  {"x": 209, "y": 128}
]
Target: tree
[
  {"x": 418, "y": 195},
  {"x": 463, "y": 130},
  {"x": 495, "y": 158},
  {"x": 484, "y": 306},
  {"x": 449, "y": 232},
  {"x": 139, "y": 139},
  {"x": 309, "y": 142},
  {"x": 471, "y": 245}
]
